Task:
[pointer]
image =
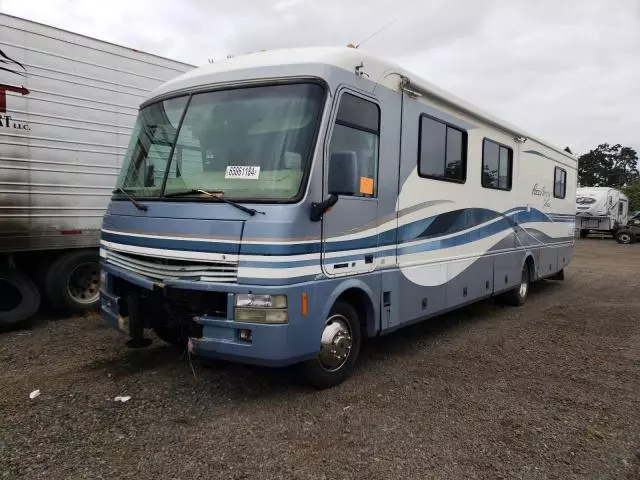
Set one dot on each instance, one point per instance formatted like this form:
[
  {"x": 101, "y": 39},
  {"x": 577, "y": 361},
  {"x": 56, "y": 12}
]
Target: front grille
[{"x": 164, "y": 269}]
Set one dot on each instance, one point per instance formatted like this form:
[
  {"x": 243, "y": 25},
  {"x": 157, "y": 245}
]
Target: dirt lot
[{"x": 548, "y": 390}]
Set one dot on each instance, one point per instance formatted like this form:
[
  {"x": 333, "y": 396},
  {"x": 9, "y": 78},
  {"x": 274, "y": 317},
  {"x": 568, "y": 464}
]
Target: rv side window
[
  {"x": 559, "y": 183},
  {"x": 442, "y": 151},
  {"x": 353, "y": 151},
  {"x": 497, "y": 165}
]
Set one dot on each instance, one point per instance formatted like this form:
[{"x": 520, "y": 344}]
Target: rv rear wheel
[
  {"x": 339, "y": 349},
  {"x": 19, "y": 297},
  {"x": 72, "y": 281},
  {"x": 518, "y": 295}
]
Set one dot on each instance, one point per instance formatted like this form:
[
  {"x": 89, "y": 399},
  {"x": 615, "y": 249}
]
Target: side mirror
[
  {"x": 343, "y": 173},
  {"x": 319, "y": 209}
]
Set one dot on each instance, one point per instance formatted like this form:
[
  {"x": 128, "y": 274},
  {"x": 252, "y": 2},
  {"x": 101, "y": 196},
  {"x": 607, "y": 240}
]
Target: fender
[
  {"x": 373, "y": 324},
  {"x": 534, "y": 274}
]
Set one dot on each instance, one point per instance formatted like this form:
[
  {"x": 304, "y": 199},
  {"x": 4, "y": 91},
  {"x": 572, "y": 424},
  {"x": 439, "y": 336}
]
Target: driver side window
[{"x": 353, "y": 151}]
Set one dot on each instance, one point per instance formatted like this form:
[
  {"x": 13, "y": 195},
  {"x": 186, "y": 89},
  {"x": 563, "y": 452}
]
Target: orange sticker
[{"x": 366, "y": 185}]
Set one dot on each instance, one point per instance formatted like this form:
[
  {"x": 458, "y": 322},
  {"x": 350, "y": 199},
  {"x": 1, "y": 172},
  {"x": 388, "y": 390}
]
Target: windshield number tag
[{"x": 243, "y": 172}]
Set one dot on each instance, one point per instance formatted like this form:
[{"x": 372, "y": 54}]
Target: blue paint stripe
[{"x": 428, "y": 228}]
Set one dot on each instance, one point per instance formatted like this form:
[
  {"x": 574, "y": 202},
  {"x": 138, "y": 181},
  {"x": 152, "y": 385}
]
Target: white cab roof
[{"x": 342, "y": 57}]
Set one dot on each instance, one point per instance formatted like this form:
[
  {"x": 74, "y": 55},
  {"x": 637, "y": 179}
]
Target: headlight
[
  {"x": 103, "y": 279},
  {"x": 250, "y": 300},
  {"x": 252, "y": 308}
]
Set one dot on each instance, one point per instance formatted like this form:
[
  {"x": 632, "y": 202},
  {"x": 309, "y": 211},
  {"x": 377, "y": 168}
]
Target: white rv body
[
  {"x": 602, "y": 209},
  {"x": 67, "y": 106}
]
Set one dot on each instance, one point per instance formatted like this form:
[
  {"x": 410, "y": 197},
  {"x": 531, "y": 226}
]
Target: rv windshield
[{"x": 246, "y": 143}]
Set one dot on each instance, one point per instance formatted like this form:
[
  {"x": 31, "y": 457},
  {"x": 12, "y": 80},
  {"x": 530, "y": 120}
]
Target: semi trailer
[{"x": 67, "y": 106}]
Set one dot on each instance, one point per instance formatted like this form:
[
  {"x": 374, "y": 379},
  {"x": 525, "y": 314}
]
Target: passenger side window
[
  {"x": 497, "y": 165},
  {"x": 353, "y": 151},
  {"x": 442, "y": 151},
  {"x": 559, "y": 183}
]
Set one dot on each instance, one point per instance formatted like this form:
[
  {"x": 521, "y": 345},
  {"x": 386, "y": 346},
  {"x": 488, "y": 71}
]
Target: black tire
[
  {"x": 625, "y": 237},
  {"x": 72, "y": 281},
  {"x": 518, "y": 296},
  {"x": 19, "y": 297},
  {"x": 584, "y": 233},
  {"x": 317, "y": 373}
]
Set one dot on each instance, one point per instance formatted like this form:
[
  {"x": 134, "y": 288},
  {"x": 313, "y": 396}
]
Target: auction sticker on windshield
[{"x": 244, "y": 172}]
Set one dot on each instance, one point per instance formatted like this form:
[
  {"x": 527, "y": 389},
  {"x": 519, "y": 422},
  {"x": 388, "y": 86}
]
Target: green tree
[
  {"x": 633, "y": 192},
  {"x": 608, "y": 166}
]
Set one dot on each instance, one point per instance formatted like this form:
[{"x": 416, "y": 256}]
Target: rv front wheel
[
  {"x": 518, "y": 295},
  {"x": 339, "y": 349},
  {"x": 584, "y": 233}
]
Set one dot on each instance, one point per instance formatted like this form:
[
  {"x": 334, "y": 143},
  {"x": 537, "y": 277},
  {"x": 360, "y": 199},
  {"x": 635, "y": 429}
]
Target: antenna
[{"x": 377, "y": 32}]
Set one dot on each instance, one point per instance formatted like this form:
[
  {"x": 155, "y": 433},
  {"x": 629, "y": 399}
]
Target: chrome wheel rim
[
  {"x": 336, "y": 343},
  {"x": 83, "y": 285},
  {"x": 524, "y": 284},
  {"x": 625, "y": 238}
]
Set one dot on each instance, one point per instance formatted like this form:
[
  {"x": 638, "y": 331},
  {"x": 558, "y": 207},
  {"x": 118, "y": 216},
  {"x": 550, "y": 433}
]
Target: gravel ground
[{"x": 548, "y": 390}]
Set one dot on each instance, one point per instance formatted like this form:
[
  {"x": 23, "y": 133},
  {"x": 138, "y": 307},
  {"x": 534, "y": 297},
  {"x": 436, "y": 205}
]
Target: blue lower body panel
[{"x": 270, "y": 345}]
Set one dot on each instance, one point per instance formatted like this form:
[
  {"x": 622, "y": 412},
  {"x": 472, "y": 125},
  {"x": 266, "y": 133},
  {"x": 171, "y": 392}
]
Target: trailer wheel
[
  {"x": 19, "y": 297},
  {"x": 339, "y": 349},
  {"x": 625, "y": 237},
  {"x": 518, "y": 295},
  {"x": 72, "y": 281},
  {"x": 584, "y": 233}
]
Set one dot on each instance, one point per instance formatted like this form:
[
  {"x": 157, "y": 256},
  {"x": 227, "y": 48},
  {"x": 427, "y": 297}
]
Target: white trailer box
[
  {"x": 601, "y": 209},
  {"x": 67, "y": 106}
]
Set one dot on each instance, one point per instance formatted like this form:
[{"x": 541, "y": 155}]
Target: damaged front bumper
[{"x": 222, "y": 335}]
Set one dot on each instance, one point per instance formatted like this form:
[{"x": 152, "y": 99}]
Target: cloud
[{"x": 565, "y": 70}]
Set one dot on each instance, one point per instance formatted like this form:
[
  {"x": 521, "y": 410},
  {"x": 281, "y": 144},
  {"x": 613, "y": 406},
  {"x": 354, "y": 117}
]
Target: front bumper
[{"x": 270, "y": 345}]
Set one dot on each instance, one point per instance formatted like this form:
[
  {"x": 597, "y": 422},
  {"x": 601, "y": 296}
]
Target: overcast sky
[{"x": 565, "y": 70}]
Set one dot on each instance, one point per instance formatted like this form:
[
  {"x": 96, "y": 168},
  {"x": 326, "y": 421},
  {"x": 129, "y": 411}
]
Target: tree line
[{"x": 611, "y": 166}]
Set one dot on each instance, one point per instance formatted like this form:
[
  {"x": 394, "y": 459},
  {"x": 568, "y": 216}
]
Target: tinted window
[
  {"x": 358, "y": 113},
  {"x": 560, "y": 184},
  {"x": 355, "y": 139},
  {"x": 497, "y": 165},
  {"x": 442, "y": 151}
]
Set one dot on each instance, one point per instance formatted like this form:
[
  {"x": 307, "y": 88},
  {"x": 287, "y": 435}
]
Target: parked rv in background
[
  {"x": 67, "y": 105},
  {"x": 600, "y": 209}
]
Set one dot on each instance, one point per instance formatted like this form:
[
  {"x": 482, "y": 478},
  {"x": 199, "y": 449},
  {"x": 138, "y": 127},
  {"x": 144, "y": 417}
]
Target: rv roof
[{"x": 341, "y": 57}]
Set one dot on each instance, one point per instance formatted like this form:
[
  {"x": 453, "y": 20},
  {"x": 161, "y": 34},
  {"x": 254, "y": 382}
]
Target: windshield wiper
[
  {"x": 136, "y": 204},
  {"x": 217, "y": 196}
]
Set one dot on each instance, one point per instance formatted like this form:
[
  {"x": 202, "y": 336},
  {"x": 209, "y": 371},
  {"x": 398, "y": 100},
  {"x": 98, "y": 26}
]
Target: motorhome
[
  {"x": 67, "y": 105},
  {"x": 280, "y": 207},
  {"x": 600, "y": 209}
]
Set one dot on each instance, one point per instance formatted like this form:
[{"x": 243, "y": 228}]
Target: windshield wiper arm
[
  {"x": 217, "y": 196},
  {"x": 136, "y": 204}
]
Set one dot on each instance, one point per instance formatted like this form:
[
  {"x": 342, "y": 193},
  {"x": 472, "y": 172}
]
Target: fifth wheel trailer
[
  {"x": 600, "y": 209},
  {"x": 67, "y": 105}
]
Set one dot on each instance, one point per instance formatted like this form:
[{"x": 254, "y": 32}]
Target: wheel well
[
  {"x": 359, "y": 300},
  {"x": 532, "y": 267}
]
